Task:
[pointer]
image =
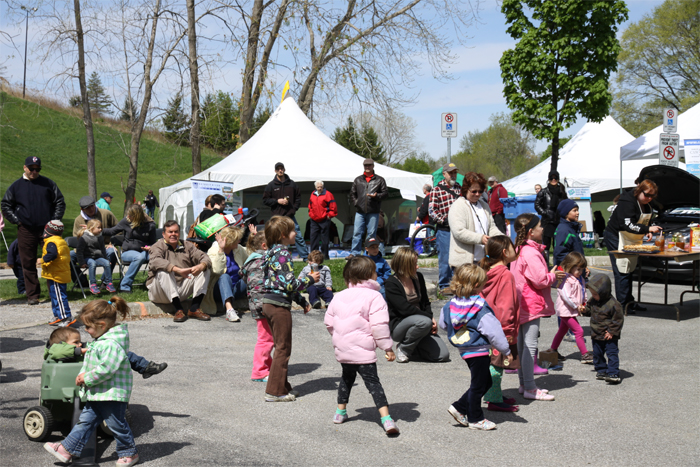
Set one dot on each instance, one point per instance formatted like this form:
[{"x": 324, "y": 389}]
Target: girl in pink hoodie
[
  {"x": 570, "y": 302},
  {"x": 501, "y": 294},
  {"x": 533, "y": 279},
  {"x": 358, "y": 320}
]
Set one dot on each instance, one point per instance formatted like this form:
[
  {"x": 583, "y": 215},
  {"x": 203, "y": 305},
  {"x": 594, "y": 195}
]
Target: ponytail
[
  {"x": 104, "y": 310},
  {"x": 522, "y": 225},
  {"x": 493, "y": 252}
]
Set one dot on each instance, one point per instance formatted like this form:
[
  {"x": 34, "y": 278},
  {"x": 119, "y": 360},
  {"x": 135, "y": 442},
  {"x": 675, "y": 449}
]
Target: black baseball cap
[
  {"x": 372, "y": 241},
  {"x": 32, "y": 160},
  {"x": 279, "y": 165},
  {"x": 106, "y": 195}
]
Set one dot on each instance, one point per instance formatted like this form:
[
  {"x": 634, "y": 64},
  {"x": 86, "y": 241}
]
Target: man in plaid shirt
[{"x": 441, "y": 199}]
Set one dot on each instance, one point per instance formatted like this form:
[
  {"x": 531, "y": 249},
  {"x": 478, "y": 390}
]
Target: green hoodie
[
  {"x": 107, "y": 371},
  {"x": 606, "y": 313},
  {"x": 62, "y": 352}
]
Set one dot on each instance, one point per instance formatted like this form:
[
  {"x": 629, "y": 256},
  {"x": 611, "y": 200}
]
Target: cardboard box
[
  {"x": 694, "y": 238},
  {"x": 548, "y": 356}
]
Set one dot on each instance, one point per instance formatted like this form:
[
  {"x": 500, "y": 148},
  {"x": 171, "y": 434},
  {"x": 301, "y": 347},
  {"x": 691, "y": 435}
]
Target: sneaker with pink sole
[
  {"x": 521, "y": 390},
  {"x": 58, "y": 451},
  {"x": 128, "y": 461}
]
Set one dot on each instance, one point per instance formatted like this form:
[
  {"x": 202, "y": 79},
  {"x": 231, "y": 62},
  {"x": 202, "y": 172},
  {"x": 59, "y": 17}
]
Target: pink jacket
[
  {"x": 358, "y": 320},
  {"x": 571, "y": 295},
  {"x": 533, "y": 281}
]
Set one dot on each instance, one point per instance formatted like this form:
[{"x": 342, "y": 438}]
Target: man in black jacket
[
  {"x": 546, "y": 205},
  {"x": 367, "y": 192},
  {"x": 283, "y": 197},
  {"x": 30, "y": 203}
]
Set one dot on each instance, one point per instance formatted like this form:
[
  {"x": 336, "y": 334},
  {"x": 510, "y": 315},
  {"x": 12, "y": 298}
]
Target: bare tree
[
  {"x": 396, "y": 132},
  {"x": 194, "y": 85}
]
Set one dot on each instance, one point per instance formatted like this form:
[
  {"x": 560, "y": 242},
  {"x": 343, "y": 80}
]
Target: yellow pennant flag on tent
[{"x": 284, "y": 91}]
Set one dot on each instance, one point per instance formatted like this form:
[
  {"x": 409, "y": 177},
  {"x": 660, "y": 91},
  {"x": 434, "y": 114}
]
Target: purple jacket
[{"x": 358, "y": 320}]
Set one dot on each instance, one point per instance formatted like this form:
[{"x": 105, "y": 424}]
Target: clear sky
[{"x": 474, "y": 95}]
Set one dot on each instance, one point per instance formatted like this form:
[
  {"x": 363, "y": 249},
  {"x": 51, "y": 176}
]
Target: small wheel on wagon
[
  {"x": 104, "y": 429},
  {"x": 426, "y": 239},
  {"x": 38, "y": 423}
]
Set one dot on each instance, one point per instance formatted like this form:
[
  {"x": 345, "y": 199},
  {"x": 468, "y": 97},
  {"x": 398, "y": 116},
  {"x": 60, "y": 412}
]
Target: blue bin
[{"x": 513, "y": 207}]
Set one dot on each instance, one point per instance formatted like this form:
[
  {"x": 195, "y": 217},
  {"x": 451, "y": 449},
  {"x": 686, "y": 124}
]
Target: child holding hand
[
  {"x": 107, "y": 381},
  {"x": 607, "y": 319},
  {"x": 570, "y": 303},
  {"x": 358, "y": 320}
]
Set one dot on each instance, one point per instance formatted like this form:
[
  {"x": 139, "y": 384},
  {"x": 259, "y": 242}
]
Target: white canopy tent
[
  {"x": 590, "y": 159},
  {"x": 647, "y": 145},
  {"x": 308, "y": 155}
]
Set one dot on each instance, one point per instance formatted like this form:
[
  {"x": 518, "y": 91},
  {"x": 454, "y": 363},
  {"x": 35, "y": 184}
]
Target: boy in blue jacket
[
  {"x": 383, "y": 268},
  {"x": 566, "y": 238}
]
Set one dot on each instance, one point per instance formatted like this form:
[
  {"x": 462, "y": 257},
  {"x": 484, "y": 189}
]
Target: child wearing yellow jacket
[{"x": 55, "y": 268}]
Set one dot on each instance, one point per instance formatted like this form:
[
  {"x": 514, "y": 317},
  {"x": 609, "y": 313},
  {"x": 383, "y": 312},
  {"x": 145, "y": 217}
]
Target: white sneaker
[
  {"x": 483, "y": 425},
  {"x": 232, "y": 316},
  {"x": 400, "y": 356}
]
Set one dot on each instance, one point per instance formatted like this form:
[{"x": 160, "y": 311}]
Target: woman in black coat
[{"x": 410, "y": 316}]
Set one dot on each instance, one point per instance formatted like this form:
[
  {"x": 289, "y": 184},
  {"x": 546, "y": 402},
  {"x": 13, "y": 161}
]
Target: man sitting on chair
[{"x": 177, "y": 270}]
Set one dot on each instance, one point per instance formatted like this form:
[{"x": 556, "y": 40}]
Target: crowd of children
[{"x": 493, "y": 321}]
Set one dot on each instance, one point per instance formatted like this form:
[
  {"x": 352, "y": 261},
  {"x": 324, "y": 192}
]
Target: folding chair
[
  {"x": 124, "y": 265},
  {"x": 78, "y": 272}
]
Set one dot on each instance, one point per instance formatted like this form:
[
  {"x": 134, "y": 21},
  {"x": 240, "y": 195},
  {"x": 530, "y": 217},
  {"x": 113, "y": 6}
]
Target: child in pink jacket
[
  {"x": 533, "y": 281},
  {"x": 570, "y": 303},
  {"x": 358, "y": 320}
]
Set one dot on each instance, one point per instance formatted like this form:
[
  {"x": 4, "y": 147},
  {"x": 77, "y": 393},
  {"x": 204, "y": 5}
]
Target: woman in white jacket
[{"x": 471, "y": 222}]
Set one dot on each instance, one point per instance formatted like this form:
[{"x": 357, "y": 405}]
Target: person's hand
[
  {"x": 221, "y": 241},
  {"x": 330, "y": 288},
  {"x": 253, "y": 229},
  {"x": 39, "y": 262},
  {"x": 607, "y": 336},
  {"x": 307, "y": 308},
  {"x": 145, "y": 248},
  {"x": 588, "y": 272},
  {"x": 509, "y": 339},
  {"x": 282, "y": 201},
  {"x": 80, "y": 380},
  {"x": 83, "y": 265},
  {"x": 484, "y": 239},
  {"x": 433, "y": 329},
  {"x": 197, "y": 270},
  {"x": 371, "y": 195},
  {"x": 316, "y": 275},
  {"x": 182, "y": 272},
  {"x": 654, "y": 229},
  {"x": 557, "y": 273},
  {"x": 390, "y": 355},
  {"x": 581, "y": 308},
  {"x": 83, "y": 227},
  {"x": 83, "y": 351}
]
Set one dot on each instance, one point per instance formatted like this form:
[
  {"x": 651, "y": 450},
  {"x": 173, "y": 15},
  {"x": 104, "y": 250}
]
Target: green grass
[
  {"x": 335, "y": 265},
  {"x": 58, "y": 138}
]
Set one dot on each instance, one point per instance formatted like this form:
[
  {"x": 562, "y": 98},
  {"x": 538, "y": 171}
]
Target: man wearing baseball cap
[
  {"x": 367, "y": 192},
  {"x": 497, "y": 192},
  {"x": 30, "y": 203},
  {"x": 441, "y": 198},
  {"x": 104, "y": 201},
  {"x": 283, "y": 197}
]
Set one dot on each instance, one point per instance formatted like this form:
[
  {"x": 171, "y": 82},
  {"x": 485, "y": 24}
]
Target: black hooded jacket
[
  {"x": 285, "y": 189},
  {"x": 606, "y": 313},
  {"x": 546, "y": 204}
]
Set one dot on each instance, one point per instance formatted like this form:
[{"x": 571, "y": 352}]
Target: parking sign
[{"x": 449, "y": 125}]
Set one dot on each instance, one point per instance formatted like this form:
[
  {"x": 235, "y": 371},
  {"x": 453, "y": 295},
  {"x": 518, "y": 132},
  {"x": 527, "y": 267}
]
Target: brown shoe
[
  {"x": 198, "y": 315},
  {"x": 180, "y": 316}
]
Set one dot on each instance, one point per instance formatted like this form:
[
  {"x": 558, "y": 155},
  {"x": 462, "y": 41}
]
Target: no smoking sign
[{"x": 668, "y": 149}]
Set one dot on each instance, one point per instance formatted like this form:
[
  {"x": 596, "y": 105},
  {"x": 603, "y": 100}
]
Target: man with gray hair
[
  {"x": 423, "y": 217},
  {"x": 322, "y": 208}
]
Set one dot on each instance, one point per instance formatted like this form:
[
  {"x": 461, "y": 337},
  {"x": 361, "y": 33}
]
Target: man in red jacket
[
  {"x": 497, "y": 192},
  {"x": 322, "y": 208}
]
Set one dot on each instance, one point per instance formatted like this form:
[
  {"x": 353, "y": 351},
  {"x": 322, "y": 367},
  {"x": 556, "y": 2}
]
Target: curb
[{"x": 598, "y": 260}]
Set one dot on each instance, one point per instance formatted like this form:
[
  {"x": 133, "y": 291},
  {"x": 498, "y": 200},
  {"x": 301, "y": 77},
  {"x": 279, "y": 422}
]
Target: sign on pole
[
  {"x": 449, "y": 125},
  {"x": 670, "y": 120},
  {"x": 668, "y": 149},
  {"x": 692, "y": 156}
]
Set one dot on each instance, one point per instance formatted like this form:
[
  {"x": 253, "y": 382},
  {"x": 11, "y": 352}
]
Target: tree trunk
[
  {"x": 194, "y": 80},
  {"x": 555, "y": 151},
  {"x": 87, "y": 117}
]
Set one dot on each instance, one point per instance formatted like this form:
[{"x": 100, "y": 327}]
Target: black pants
[
  {"x": 470, "y": 402},
  {"x": 320, "y": 232},
  {"x": 29, "y": 240},
  {"x": 369, "y": 376},
  {"x": 500, "y": 221}
]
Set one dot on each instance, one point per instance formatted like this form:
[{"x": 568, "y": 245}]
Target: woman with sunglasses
[
  {"x": 471, "y": 222},
  {"x": 629, "y": 223}
]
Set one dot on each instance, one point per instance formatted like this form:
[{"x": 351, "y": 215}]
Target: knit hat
[
  {"x": 565, "y": 206},
  {"x": 54, "y": 227},
  {"x": 553, "y": 175}
]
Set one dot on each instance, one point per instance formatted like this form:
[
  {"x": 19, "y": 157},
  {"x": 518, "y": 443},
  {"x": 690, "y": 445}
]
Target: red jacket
[
  {"x": 322, "y": 207},
  {"x": 497, "y": 192},
  {"x": 500, "y": 293}
]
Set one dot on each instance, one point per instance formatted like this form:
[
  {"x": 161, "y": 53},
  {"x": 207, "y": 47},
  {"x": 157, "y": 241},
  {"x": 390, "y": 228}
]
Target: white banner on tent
[
  {"x": 201, "y": 189},
  {"x": 668, "y": 149},
  {"x": 692, "y": 156}
]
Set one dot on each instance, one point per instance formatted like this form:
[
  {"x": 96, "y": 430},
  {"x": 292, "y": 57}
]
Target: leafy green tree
[
  {"x": 504, "y": 149},
  {"x": 99, "y": 101},
  {"x": 261, "y": 117},
  {"x": 175, "y": 121},
  {"x": 659, "y": 66},
  {"x": 363, "y": 141},
  {"x": 417, "y": 163},
  {"x": 548, "y": 152},
  {"x": 561, "y": 64},
  {"x": 220, "y": 122},
  {"x": 129, "y": 111}
]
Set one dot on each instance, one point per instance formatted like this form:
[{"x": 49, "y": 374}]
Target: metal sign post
[{"x": 448, "y": 124}]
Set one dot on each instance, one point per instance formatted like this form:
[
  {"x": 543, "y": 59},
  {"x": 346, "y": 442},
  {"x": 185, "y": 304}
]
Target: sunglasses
[
  {"x": 34, "y": 169},
  {"x": 647, "y": 195},
  {"x": 476, "y": 192}
]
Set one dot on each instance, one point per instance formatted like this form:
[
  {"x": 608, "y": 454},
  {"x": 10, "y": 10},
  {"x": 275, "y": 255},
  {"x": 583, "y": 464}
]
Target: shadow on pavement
[
  {"x": 316, "y": 385},
  {"x": 296, "y": 369},
  {"x": 17, "y": 344},
  {"x": 150, "y": 451},
  {"x": 11, "y": 375},
  {"x": 401, "y": 411}
]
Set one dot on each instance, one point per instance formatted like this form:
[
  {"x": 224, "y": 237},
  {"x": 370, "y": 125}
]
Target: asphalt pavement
[{"x": 205, "y": 410}]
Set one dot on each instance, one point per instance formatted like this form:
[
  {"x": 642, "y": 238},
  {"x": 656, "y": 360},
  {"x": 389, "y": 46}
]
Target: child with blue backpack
[{"x": 473, "y": 328}]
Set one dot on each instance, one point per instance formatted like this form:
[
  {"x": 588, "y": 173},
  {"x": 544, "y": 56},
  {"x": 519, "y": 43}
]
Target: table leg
[
  {"x": 666, "y": 283},
  {"x": 639, "y": 280},
  {"x": 692, "y": 290}
]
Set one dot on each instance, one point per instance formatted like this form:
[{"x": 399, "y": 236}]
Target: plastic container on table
[{"x": 513, "y": 207}]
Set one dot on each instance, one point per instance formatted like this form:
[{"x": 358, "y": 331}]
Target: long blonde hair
[{"x": 135, "y": 215}]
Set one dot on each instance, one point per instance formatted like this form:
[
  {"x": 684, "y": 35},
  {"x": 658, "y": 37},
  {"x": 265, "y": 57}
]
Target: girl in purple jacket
[{"x": 358, "y": 320}]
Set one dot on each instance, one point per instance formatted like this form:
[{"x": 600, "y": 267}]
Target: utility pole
[{"x": 26, "y": 38}]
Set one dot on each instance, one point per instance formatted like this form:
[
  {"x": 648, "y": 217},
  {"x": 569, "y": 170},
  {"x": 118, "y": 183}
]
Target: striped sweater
[{"x": 472, "y": 327}]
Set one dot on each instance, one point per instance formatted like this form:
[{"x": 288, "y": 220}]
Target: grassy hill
[{"x": 57, "y": 136}]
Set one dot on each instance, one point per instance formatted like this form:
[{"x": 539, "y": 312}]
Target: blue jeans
[
  {"x": 135, "y": 259},
  {"x": 111, "y": 255},
  {"x": 225, "y": 290},
  {"x": 316, "y": 293},
  {"x": 442, "y": 240},
  {"x": 107, "y": 270},
  {"x": 114, "y": 414},
  {"x": 300, "y": 243},
  {"x": 362, "y": 221},
  {"x": 609, "y": 348},
  {"x": 150, "y": 212},
  {"x": 137, "y": 362}
]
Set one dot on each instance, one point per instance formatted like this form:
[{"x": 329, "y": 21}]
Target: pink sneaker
[
  {"x": 128, "y": 461},
  {"x": 538, "y": 370},
  {"x": 110, "y": 288},
  {"x": 58, "y": 451},
  {"x": 538, "y": 395},
  {"x": 521, "y": 390}
]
